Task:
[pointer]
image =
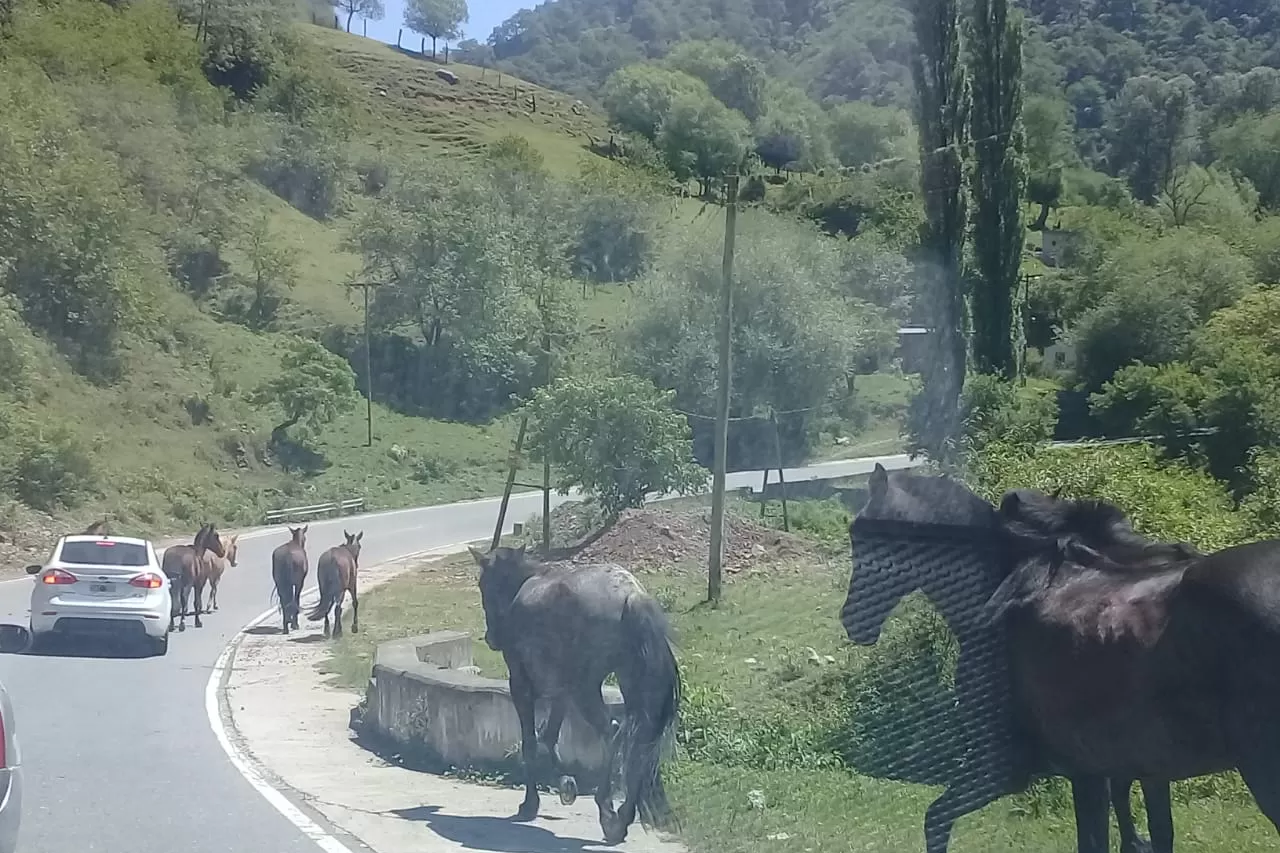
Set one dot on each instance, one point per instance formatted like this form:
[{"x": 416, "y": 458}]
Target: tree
[
  {"x": 999, "y": 174},
  {"x": 466, "y": 254},
  {"x": 702, "y": 138},
  {"x": 736, "y": 79},
  {"x": 272, "y": 269},
  {"x": 942, "y": 89},
  {"x": 1149, "y": 127},
  {"x": 371, "y": 10},
  {"x": 1152, "y": 297},
  {"x": 864, "y": 133},
  {"x": 436, "y": 19},
  {"x": 313, "y": 387},
  {"x": 797, "y": 339},
  {"x": 792, "y": 133},
  {"x": 639, "y": 97},
  {"x": 1248, "y": 147},
  {"x": 616, "y": 438}
]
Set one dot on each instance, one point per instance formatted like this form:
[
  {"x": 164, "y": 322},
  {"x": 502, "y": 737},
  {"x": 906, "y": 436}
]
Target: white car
[{"x": 102, "y": 585}]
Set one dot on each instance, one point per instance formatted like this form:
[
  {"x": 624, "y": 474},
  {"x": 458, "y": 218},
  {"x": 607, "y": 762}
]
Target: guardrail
[{"x": 299, "y": 513}]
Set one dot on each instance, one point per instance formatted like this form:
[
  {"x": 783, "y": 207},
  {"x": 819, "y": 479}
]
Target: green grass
[
  {"x": 403, "y": 103},
  {"x": 761, "y": 668}
]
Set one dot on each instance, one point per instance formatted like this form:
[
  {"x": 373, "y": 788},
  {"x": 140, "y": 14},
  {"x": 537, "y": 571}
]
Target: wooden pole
[
  {"x": 782, "y": 478},
  {"x": 511, "y": 482},
  {"x": 723, "y": 380},
  {"x": 368, "y": 373},
  {"x": 546, "y": 457}
]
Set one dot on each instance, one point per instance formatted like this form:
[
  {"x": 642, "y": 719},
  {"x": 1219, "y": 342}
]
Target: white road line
[
  {"x": 292, "y": 813},
  {"x": 244, "y": 763}
]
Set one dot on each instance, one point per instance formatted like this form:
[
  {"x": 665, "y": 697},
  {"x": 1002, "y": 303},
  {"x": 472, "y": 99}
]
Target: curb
[{"x": 288, "y": 801}]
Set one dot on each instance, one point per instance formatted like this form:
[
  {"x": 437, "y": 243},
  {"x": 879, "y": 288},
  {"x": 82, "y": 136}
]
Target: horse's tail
[
  {"x": 282, "y": 589},
  {"x": 330, "y": 586},
  {"x": 651, "y": 716}
]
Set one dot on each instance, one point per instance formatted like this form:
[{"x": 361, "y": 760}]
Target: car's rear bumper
[
  {"x": 100, "y": 621},
  {"x": 10, "y": 808}
]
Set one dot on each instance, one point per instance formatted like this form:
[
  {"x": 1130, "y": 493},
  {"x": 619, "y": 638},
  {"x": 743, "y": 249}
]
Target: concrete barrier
[{"x": 423, "y": 701}]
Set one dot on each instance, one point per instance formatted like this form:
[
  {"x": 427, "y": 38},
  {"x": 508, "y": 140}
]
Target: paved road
[{"x": 118, "y": 752}]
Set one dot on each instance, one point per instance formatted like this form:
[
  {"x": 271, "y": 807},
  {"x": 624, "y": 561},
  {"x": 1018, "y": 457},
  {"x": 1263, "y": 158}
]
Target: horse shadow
[{"x": 496, "y": 834}]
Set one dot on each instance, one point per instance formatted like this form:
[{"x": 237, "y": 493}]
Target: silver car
[{"x": 13, "y": 638}]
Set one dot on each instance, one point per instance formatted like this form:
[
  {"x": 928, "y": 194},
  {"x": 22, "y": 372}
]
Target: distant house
[
  {"x": 1060, "y": 355},
  {"x": 913, "y": 347},
  {"x": 1054, "y": 243}
]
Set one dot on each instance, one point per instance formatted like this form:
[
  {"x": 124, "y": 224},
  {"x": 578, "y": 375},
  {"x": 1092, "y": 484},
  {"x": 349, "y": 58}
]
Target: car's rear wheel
[{"x": 159, "y": 645}]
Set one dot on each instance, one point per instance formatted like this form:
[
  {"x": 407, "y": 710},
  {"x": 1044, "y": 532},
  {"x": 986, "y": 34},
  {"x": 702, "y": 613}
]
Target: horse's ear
[
  {"x": 477, "y": 555},
  {"x": 346, "y": 535},
  {"x": 359, "y": 535},
  {"x": 879, "y": 482},
  {"x": 305, "y": 528},
  {"x": 235, "y": 539}
]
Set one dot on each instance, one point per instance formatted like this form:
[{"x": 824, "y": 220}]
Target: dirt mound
[{"x": 656, "y": 537}]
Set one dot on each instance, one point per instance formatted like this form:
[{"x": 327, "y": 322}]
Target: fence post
[{"x": 399, "y": 33}]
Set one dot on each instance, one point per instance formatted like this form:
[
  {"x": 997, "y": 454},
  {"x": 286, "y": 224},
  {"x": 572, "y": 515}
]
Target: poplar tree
[{"x": 998, "y": 181}]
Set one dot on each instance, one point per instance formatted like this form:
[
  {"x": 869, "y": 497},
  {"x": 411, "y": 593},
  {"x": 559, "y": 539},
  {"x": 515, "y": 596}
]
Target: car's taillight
[
  {"x": 57, "y": 576},
  {"x": 147, "y": 581}
]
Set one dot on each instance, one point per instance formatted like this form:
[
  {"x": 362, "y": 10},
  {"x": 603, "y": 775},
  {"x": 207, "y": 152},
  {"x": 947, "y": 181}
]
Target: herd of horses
[
  {"x": 1086, "y": 651},
  {"x": 192, "y": 568}
]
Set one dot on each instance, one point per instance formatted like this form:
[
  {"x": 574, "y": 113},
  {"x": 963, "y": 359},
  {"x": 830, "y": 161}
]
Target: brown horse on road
[
  {"x": 186, "y": 569},
  {"x": 289, "y": 574},
  {"x": 336, "y": 572},
  {"x": 218, "y": 565}
]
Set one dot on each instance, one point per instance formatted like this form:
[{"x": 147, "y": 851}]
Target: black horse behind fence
[{"x": 1085, "y": 650}]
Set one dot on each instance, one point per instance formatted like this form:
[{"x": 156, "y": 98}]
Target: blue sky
[{"x": 485, "y": 15}]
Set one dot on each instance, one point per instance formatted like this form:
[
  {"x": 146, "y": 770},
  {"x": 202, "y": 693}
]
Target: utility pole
[
  {"x": 368, "y": 363},
  {"x": 723, "y": 381}
]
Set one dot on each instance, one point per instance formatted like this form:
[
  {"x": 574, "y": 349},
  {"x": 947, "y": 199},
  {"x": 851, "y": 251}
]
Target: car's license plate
[{"x": 102, "y": 588}]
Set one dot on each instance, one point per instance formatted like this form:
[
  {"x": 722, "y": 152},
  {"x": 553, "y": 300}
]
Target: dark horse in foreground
[
  {"x": 289, "y": 574},
  {"x": 186, "y": 569},
  {"x": 336, "y": 573},
  {"x": 1126, "y": 659},
  {"x": 562, "y": 631}
]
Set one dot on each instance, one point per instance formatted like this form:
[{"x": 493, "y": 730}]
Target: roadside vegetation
[{"x": 180, "y": 342}]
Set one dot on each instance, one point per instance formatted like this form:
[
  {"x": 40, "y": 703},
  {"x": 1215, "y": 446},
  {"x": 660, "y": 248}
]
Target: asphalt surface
[{"x": 117, "y": 751}]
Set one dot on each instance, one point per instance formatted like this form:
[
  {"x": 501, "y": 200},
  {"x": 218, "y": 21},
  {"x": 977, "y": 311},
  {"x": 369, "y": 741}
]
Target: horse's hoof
[
  {"x": 568, "y": 790},
  {"x": 528, "y": 811},
  {"x": 181, "y": 628},
  {"x": 355, "y": 629},
  {"x": 614, "y": 831}
]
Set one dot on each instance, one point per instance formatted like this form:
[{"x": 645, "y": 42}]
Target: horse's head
[
  {"x": 907, "y": 499},
  {"x": 298, "y": 535},
  {"x": 231, "y": 548},
  {"x": 207, "y": 539},
  {"x": 353, "y": 544},
  {"x": 502, "y": 572}
]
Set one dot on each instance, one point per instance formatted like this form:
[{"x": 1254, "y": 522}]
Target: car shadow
[{"x": 78, "y": 647}]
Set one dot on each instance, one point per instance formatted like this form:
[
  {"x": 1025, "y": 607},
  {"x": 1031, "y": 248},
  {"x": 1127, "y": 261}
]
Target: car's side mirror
[
  {"x": 14, "y": 639},
  {"x": 34, "y": 570}
]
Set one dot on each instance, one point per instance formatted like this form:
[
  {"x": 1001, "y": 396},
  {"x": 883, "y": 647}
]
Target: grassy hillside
[
  {"x": 134, "y": 379},
  {"x": 172, "y": 437}
]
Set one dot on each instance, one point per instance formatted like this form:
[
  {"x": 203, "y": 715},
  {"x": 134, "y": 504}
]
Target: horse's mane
[
  {"x": 1086, "y": 530},
  {"x": 1082, "y": 565}
]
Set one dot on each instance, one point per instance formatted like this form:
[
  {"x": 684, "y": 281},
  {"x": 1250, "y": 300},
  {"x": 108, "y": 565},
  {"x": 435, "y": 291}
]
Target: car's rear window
[{"x": 104, "y": 553}]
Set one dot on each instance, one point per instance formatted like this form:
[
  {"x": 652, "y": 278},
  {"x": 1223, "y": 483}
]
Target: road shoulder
[{"x": 292, "y": 727}]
